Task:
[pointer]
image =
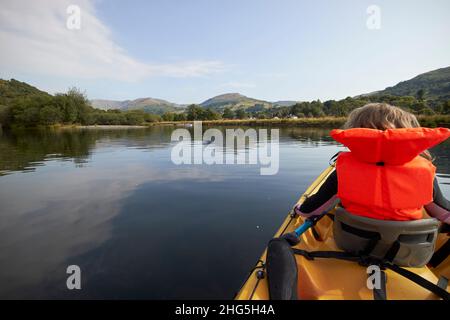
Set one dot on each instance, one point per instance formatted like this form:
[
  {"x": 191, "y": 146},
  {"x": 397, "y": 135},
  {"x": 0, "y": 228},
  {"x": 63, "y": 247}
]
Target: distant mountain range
[
  {"x": 218, "y": 103},
  {"x": 435, "y": 85},
  {"x": 234, "y": 101},
  {"x": 150, "y": 105},
  {"x": 285, "y": 103}
]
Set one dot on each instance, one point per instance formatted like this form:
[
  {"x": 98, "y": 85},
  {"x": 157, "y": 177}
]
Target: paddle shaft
[{"x": 308, "y": 224}]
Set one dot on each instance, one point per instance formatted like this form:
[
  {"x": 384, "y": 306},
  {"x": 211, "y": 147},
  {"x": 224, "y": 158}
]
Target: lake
[{"x": 137, "y": 225}]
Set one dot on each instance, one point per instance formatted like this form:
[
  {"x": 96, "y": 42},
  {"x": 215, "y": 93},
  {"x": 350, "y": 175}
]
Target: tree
[
  {"x": 168, "y": 116},
  {"x": 49, "y": 115},
  {"x": 419, "y": 105},
  {"x": 420, "y": 94},
  {"x": 426, "y": 111},
  {"x": 317, "y": 108},
  {"x": 311, "y": 109},
  {"x": 179, "y": 117},
  {"x": 135, "y": 117},
  {"x": 209, "y": 114},
  {"x": 338, "y": 109},
  {"x": 149, "y": 117},
  {"x": 241, "y": 114},
  {"x": 194, "y": 112},
  {"x": 228, "y": 113},
  {"x": 68, "y": 109},
  {"x": 5, "y": 116},
  {"x": 29, "y": 116},
  {"x": 73, "y": 105},
  {"x": 446, "y": 107}
]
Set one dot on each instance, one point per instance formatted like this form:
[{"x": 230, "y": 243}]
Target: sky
[{"x": 186, "y": 51}]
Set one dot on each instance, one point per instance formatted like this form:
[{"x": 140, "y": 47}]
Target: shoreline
[
  {"x": 325, "y": 122},
  {"x": 302, "y": 122},
  {"x": 101, "y": 126}
]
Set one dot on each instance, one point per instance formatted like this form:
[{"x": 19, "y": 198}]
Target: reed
[{"x": 322, "y": 122}]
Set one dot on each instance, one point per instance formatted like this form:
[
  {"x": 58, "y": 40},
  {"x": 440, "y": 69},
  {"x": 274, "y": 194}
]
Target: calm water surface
[{"x": 113, "y": 203}]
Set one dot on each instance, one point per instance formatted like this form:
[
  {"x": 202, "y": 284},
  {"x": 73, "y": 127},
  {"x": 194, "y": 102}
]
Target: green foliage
[
  {"x": 330, "y": 108},
  {"x": 195, "y": 112},
  {"x": 420, "y": 94},
  {"x": 310, "y": 109},
  {"x": 209, "y": 114},
  {"x": 50, "y": 115},
  {"x": 117, "y": 117},
  {"x": 168, "y": 116},
  {"x": 5, "y": 115},
  {"x": 13, "y": 89},
  {"x": 152, "y": 117},
  {"x": 233, "y": 101},
  {"x": 342, "y": 108},
  {"x": 180, "y": 117},
  {"x": 445, "y": 108},
  {"x": 433, "y": 85},
  {"x": 435, "y": 121},
  {"x": 241, "y": 114},
  {"x": 228, "y": 113},
  {"x": 26, "y": 106},
  {"x": 173, "y": 116}
]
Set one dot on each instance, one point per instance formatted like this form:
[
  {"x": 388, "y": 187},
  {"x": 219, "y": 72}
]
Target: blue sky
[{"x": 188, "y": 51}]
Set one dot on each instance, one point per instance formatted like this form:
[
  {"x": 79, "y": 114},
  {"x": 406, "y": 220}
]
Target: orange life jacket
[{"x": 383, "y": 176}]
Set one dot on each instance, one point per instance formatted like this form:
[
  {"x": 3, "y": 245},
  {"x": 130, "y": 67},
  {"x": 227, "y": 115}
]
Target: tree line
[
  {"x": 73, "y": 107},
  {"x": 65, "y": 108},
  {"x": 316, "y": 109}
]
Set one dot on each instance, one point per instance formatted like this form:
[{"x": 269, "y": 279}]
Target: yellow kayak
[{"x": 331, "y": 279}]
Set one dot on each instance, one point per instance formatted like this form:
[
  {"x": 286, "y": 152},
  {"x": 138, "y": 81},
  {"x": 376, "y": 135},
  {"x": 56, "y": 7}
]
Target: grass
[
  {"x": 435, "y": 121},
  {"x": 324, "y": 122}
]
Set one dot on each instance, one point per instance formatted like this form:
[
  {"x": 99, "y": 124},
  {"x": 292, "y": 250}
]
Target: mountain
[
  {"x": 284, "y": 103},
  {"x": 235, "y": 101},
  {"x": 436, "y": 85},
  {"x": 150, "y": 105},
  {"x": 107, "y": 104}
]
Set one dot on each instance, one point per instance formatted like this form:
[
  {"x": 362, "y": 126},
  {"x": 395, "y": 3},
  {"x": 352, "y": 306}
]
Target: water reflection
[
  {"x": 112, "y": 202},
  {"x": 27, "y": 149}
]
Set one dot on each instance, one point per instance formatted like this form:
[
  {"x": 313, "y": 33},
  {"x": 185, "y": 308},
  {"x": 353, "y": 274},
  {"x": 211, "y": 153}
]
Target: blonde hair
[{"x": 383, "y": 116}]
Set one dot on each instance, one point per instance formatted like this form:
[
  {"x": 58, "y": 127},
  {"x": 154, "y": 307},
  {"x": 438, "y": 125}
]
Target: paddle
[{"x": 293, "y": 238}]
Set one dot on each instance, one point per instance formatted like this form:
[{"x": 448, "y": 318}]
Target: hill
[
  {"x": 284, "y": 103},
  {"x": 12, "y": 89},
  {"x": 150, "y": 105},
  {"x": 104, "y": 104},
  {"x": 235, "y": 101},
  {"x": 436, "y": 86}
]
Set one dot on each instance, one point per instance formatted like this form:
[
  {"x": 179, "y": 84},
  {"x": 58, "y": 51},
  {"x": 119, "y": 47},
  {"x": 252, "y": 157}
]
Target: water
[{"x": 113, "y": 203}]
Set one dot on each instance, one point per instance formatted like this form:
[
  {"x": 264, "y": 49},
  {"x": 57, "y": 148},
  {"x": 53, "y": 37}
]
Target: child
[{"x": 388, "y": 172}]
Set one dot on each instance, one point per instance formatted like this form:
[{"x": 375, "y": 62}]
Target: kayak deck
[{"x": 331, "y": 279}]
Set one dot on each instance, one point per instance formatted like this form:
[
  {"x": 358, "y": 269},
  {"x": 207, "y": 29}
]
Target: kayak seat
[{"x": 404, "y": 243}]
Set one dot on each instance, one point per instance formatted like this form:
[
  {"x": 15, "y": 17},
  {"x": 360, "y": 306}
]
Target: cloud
[{"x": 35, "y": 39}]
